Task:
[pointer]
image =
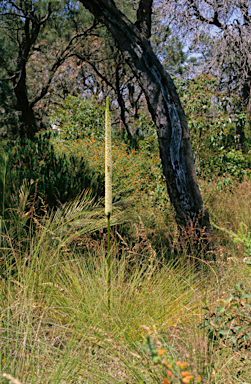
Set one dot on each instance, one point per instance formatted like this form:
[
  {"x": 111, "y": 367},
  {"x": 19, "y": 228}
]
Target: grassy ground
[{"x": 56, "y": 326}]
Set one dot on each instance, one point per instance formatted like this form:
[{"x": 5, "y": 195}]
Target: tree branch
[
  {"x": 244, "y": 5},
  {"x": 122, "y": 103},
  {"x": 64, "y": 55},
  {"x": 144, "y": 17},
  {"x": 26, "y": 29},
  {"x": 77, "y": 35},
  {"x": 15, "y": 5},
  {"x": 212, "y": 21},
  {"x": 46, "y": 17},
  {"x": 83, "y": 58}
]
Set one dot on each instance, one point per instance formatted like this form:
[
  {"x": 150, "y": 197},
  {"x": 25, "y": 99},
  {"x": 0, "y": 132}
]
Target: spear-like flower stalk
[
  {"x": 3, "y": 160},
  {"x": 108, "y": 161},
  {"x": 108, "y": 191}
]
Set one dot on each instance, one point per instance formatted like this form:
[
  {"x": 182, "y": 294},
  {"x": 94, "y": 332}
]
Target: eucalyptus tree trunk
[{"x": 164, "y": 106}]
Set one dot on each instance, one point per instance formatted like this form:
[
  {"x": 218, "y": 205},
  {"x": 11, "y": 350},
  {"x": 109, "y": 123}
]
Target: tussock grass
[
  {"x": 56, "y": 319},
  {"x": 55, "y": 324}
]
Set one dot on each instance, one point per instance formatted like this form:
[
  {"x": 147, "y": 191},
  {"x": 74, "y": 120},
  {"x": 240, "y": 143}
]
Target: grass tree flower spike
[
  {"x": 108, "y": 191},
  {"x": 108, "y": 161}
]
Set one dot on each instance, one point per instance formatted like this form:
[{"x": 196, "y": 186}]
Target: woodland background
[{"x": 180, "y": 312}]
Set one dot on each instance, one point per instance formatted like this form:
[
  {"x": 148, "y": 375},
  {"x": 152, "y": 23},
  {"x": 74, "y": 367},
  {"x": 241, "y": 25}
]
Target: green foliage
[
  {"x": 231, "y": 322},
  {"x": 232, "y": 165},
  {"x": 143, "y": 171},
  {"x": 128, "y": 8},
  {"x": 149, "y": 139},
  {"x": 242, "y": 237},
  {"x": 169, "y": 48},
  {"x": 9, "y": 109},
  {"x": 79, "y": 118},
  {"x": 212, "y": 129},
  {"x": 55, "y": 178}
]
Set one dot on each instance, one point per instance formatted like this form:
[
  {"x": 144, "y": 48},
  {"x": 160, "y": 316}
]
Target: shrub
[
  {"x": 213, "y": 130},
  {"x": 133, "y": 173},
  {"x": 231, "y": 322},
  {"x": 79, "y": 118},
  {"x": 232, "y": 165},
  {"x": 56, "y": 179}
]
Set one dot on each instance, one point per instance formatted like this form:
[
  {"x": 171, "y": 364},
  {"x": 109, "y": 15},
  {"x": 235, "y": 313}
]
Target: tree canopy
[{"x": 221, "y": 31}]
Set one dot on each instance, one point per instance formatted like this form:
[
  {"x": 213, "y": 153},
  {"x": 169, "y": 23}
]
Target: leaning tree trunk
[{"x": 166, "y": 111}]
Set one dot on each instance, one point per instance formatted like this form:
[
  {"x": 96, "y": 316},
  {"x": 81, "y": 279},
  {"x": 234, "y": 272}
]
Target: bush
[
  {"x": 56, "y": 179},
  {"x": 232, "y": 165},
  {"x": 213, "y": 130},
  {"x": 231, "y": 322},
  {"x": 133, "y": 172},
  {"x": 79, "y": 118}
]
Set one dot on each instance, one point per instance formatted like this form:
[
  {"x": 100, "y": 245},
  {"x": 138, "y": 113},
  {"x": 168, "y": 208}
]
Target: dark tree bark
[
  {"x": 28, "y": 122},
  {"x": 32, "y": 27},
  {"x": 144, "y": 17},
  {"x": 166, "y": 111}
]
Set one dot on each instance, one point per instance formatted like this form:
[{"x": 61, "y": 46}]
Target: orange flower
[
  {"x": 166, "y": 381},
  {"x": 198, "y": 379},
  {"x": 161, "y": 352},
  {"x": 169, "y": 373},
  {"x": 181, "y": 365},
  {"x": 186, "y": 380},
  {"x": 186, "y": 373}
]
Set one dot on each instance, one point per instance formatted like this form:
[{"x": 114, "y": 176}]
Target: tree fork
[{"x": 167, "y": 113}]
